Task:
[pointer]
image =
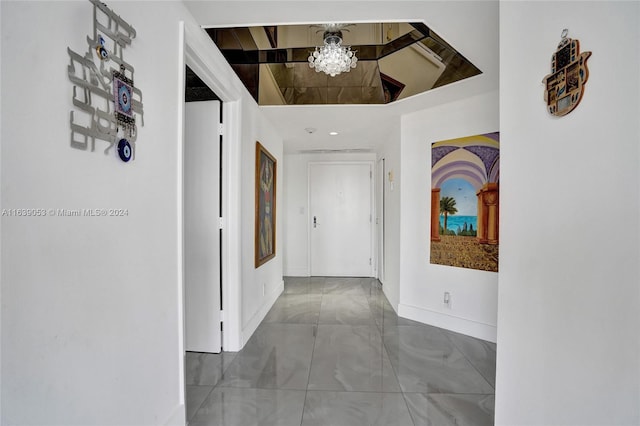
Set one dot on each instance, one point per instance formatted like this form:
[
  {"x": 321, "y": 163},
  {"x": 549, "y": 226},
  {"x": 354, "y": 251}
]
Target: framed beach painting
[
  {"x": 265, "y": 225},
  {"x": 465, "y": 209}
]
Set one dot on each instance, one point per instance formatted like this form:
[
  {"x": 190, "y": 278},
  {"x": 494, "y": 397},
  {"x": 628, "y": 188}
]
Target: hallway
[{"x": 332, "y": 351}]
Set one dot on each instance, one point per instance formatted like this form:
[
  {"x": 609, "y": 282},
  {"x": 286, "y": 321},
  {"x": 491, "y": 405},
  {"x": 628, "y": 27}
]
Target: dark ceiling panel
[
  {"x": 196, "y": 89},
  {"x": 241, "y": 51}
]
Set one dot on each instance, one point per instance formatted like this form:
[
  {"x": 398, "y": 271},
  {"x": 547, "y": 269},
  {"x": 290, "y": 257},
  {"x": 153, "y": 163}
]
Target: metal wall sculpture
[{"x": 107, "y": 101}]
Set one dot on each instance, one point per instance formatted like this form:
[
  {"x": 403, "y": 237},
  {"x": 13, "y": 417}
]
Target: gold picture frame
[{"x": 265, "y": 217}]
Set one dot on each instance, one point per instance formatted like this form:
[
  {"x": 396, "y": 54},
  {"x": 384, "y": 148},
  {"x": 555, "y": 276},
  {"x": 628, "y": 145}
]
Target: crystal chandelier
[{"x": 333, "y": 58}]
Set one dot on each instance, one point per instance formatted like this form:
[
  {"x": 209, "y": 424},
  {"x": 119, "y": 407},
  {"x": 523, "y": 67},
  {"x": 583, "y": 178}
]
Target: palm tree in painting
[{"x": 447, "y": 207}]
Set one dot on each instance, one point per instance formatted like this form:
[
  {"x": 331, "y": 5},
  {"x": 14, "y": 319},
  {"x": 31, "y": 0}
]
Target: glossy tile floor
[{"x": 332, "y": 351}]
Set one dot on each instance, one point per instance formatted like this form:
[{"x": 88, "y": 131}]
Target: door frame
[
  {"x": 209, "y": 64},
  {"x": 380, "y": 201},
  {"x": 196, "y": 50},
  {"x": 372, "y": 248}
]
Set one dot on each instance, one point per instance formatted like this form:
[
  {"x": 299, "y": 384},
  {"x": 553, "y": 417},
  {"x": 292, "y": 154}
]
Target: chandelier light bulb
[{"x": 332, "y": 58}]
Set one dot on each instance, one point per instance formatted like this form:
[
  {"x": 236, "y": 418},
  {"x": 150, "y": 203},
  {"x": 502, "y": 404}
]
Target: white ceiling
[{"x": 471, "y": 27}]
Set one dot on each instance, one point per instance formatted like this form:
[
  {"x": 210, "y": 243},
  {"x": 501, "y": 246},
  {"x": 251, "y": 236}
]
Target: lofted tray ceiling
[{"x": 396, "y": 60}]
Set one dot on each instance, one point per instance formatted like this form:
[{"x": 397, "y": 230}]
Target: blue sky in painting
[{"x": 464, "y": 194}]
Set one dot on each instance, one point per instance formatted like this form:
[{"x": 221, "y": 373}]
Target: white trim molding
[
  {"x": 255, "y": 321},
  {"x": 205, "y": 59},
  {"x": 178, "y": 416},
  {"x": 449, "y": 322}
]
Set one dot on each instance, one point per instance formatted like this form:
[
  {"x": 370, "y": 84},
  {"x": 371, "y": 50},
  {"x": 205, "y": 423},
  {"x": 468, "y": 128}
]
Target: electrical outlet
[
  {"x": 447, "y": 299},
  {"x": 264, "y": 289}
]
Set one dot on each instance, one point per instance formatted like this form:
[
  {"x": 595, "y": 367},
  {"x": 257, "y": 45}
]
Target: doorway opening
[
  {"x": 195, "y": 54},
  {"x": 202, "y": 210}
]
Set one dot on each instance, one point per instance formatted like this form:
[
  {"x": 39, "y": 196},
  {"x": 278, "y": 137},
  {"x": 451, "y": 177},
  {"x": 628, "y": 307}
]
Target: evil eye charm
[
  {"x": 124, "y": 99},
  {"x": 102, "y": 53},
  {"x": 124, "y": 150},
  {"x": 100, "y": 50}
]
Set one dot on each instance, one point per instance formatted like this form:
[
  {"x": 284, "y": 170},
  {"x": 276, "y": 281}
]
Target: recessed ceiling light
[
  {"x": 310, "y": 129},
  {"x": 333, "y": 133}
]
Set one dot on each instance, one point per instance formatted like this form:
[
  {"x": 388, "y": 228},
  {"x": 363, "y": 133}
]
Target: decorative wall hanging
[
  {"x": 565, "y": 85},
  {"x": 266, "y": 172},
  {"x": 105, "y": 97},
  {"x": 465, "y": 184}
]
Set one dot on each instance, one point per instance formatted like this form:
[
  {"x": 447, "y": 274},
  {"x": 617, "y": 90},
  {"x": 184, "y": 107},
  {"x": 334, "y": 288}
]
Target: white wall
[
  {"x": 261, "y": 286},
  {"x": 473, "y": 292},
  {"x": 91, "y": 306},
  {"x": 296, "y": 207},
  {"x": 568, "y": 341},
  {"x": 90, "y": 314},
  {"x": 392, "y": 207}
]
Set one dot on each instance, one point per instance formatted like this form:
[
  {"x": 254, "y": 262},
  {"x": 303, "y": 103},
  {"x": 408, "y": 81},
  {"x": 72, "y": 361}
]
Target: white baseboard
[
  {"x": 254, "y": 322},
  {"x": 394, "y": 303},
  {"x": 449, "y": 322},
  {"x": 301, "y": 271},
  {"x": 178, "y": 417}
]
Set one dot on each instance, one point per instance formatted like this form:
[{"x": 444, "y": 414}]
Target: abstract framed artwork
[
  {"x": 465, "y": 184},
  {"x": 265, "y": 225}
]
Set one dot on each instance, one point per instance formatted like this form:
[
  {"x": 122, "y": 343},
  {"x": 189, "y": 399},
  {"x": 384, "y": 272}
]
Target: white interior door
[
  {"x": 201, "y": 227},
  {"x": 341, "y": 220}
]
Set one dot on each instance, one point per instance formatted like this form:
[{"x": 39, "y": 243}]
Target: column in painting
[
  {"x": 435, "y": 214},
  {"x": 491, "y": 200},
  {"x": 481, "y": 232},
  {"x": 488, "y": 213}
]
